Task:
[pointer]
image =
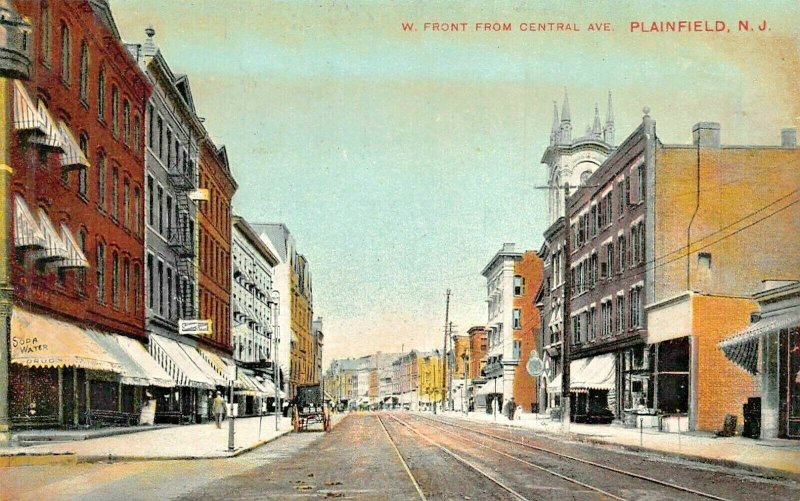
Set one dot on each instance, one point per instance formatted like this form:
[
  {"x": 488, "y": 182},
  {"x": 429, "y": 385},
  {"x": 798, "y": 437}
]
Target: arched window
[
  {"x": 101, "y": 180},
  {"x": 101, "y": 94},
  {"x": 115, "y": 193},
  {"x": 137, "y": 208},
  {"x": 115, "y": 279},
  {"x": 126, "y": 204},
  {"x": 45, "y": 35},
  {"x": 66, "y": 54},
  {"x": 115, "y": 110},
  {"x": 126, "y": 283},
  {"x": 126, "y": 122},
  {"x": 101, "y": 273},
  {"x": 84, "y": 86},
  {"x": 137, "y": 289},
  {"x": 137, "y": 130},
  {"x": 83, "y": 174}
]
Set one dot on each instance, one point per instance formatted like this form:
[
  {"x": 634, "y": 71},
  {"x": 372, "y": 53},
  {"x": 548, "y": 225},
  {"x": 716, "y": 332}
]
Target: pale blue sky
[{"x": 402, "y": 161}]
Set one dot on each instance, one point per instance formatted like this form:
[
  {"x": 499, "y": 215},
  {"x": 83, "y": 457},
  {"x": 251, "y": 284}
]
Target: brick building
[
  {"x": 214, "y": 220},
  {"x": 477, "y": 351},
  {"x": 529, "y": 271},
  {"x": 77, "y": 191}
]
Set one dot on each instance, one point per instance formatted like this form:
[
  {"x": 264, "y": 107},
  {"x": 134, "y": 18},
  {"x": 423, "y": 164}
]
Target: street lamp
[
  {"x": 274, "y": 303},
  {"x": 15, "y": 63}
]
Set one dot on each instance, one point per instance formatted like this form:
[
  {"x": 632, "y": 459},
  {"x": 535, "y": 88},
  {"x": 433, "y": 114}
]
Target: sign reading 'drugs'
[{"x": 195, "y": 327}]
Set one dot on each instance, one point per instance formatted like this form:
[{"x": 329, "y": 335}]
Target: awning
[
  {"x": 72, "y": 157},
  {"x": 224, "y": 366},
  {"x": 204, "y": 366},
  {"x": 131, "y": 372},
  {"x": 176, "y": 362},
  {"x": 74, "y": 255},
  {"x": 490, "y": 387},
  {"x": 554, "y": 386},
  {"x": 26, "y": 229},
  {"x": 156, "y": 375},
  {"x": 40, "y": 341},
  {"x": 592, "y": 373},
  {"x": 52, "y": 136},
  {"x": 742, "y": 347},
  {"x": 54, "y": 249}
]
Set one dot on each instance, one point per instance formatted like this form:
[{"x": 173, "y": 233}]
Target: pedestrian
[
  {"x": 512, "y": 407},
  {"x": 218, "y": 409}
]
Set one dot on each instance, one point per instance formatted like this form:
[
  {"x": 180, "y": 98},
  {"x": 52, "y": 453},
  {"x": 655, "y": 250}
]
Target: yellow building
[
  {"x": 303, "y": 345},
  {"x": 430, "y": 387}
]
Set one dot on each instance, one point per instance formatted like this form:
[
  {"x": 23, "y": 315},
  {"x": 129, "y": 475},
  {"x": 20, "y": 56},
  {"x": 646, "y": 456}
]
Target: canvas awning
[
  {"x": 26, "y": 229},
  {"x": 131, "y": 372},
  {"x": 75, "y": 257},
  {"x": 554, "y": 386},
  {"x": 224, "y": 366},
  {"x": 742, "y": 347},
  {"x": 72, "y": 157},
  {"x": 494, "y": 385},
  {"x": 592, "y": 373},
  {"x": 156, "y": 375},
  {"x": 40, "y": 341},
  {"x": 182, "y": 369},
  {"x": 204, "y": 366}
]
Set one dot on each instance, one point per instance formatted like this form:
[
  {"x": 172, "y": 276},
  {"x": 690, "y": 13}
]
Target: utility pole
[
  {"x": 444, "y": 348},
  {"x": 451, "y": 363},
  {"x": 565, "y": 341}
]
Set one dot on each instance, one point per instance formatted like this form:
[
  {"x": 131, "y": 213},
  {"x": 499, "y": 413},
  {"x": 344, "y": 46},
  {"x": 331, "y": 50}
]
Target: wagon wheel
[{"x": 295, "y": 419}]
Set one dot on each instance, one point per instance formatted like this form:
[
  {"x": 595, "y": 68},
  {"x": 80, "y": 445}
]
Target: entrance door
[{"x": 793, "y": 384}]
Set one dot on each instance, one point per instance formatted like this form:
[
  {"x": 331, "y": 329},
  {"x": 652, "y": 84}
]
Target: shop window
[{"x": 673, "y": 375}]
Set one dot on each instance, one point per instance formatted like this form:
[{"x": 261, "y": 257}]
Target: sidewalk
[
  {"x": 199, "y": 441},
  {"x": 770, "y": 456}
]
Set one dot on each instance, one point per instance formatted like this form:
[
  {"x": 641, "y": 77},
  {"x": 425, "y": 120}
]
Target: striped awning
[
  {"x": 26, "y": 229},
  {"x": 593, "y": 373},
  {"x": 742, "y": 347},
  {"x": 53, "y": 249},
  {"x": 72, "y": 157},
  {"x": 74, "y": 255},
  {"x": 51, "y": 138},
  {"x": 169, "y": 354},
  {"x": 26, "y": 116},
  {"x": 156, "y": 374}
]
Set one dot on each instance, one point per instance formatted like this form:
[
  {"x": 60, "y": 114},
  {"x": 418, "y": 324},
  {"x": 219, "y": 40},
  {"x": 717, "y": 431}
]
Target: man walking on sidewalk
[{"x": 218, "y": 409}]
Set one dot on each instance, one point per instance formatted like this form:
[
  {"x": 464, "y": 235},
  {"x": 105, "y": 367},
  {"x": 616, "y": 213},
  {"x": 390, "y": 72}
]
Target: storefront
[
  {"x": 770, "y": 349},
  {"x": 592, "y": 389}
]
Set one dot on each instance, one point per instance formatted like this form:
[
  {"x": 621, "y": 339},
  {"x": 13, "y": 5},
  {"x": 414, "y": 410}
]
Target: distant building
[{"x": 319, "y": 342}]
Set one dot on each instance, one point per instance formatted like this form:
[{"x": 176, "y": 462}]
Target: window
[
  {"x": 591, "y": 327},
  {"x": 101, "y": 273},
  {"x": 115, "y": 279},
  {"x": 609, "y": 207},
  {"x": 169, "y": 216},
  {"x": 160, "y": 210},
  {"x": 45, "y": 25},
  {"x": 170, "y": 299},
  {"x": 66, "y": 54},
  {"x": 101, "y": 180},
  {"x": 83, "y": 173},
  {"x": 151, "y": 134},
  {"x": 126, "y": 204},
  {"x": 137, "y": 212},
  {"x": 150, "y": 201},
  {"x": 640, "y": 184},
  {"x": 115, "y": 193},
  {"x": 620, "y": 313},
  {"x": 115, "y": 110},
  {"x": 621, "y": 196},
  {"x": 519, "y": 285},
  {"x": 84, "y": 83},
  {"x": 126, "y": 283},
  {"x": 169, "y": 149},
  {"x": 610, "y": 259},
  {"x": 593, "y": 221},
  {"x": 704, "y": 260},
  {"x": 80, "y": 276},
  {"x": 627, "y": 190},
  {"x": 137, "y": 289},
  {"x": 516, "y": 318},
  {"x": 641, "y": 243},
  {"x": 621, "y": 247},
  {"x": 517, "y": 347},
  {"x": 137, "y": 130},
  {"x": 126, "y": 122},
  {"x": 160, "y": 137},
  {"x": 150, "y": 282},
  {"x": 101, "y": 94},
  {"x": 161, "y": 287},
  {"x": 636, "y": 307}
]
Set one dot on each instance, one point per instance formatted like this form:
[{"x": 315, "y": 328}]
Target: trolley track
[
  {"x": 473, "y": 467},
  {"x": 645, "y": 478}
]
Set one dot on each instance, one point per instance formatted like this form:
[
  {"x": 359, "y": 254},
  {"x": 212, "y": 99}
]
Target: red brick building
[
  {"x": 77, "y": 190},
  {"x": 214, "y": 221},
  {"x": 530, "y": 270},
  {"x": 477, "y": 349}
]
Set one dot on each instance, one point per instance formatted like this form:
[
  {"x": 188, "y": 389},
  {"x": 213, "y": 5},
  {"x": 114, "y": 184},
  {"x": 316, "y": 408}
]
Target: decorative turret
[
  {"x": 566, "y": 124},
  {"x": 149, "y": 46},
  {"x": 555, "y": 131},
  {"x": 597, "y": 130},
  {"x": 608, "y": 130}
]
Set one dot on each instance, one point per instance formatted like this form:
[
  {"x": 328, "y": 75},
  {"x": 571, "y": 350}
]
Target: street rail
[
  {"x": 580, "y": 460},
  {"x": 532, "y": 465},
  {"x": 461, "y": 460},
  {"x": 403, "y": 461}
]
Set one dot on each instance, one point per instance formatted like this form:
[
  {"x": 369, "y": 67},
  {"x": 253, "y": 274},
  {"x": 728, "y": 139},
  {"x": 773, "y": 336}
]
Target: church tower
[{"x": 571, "y": 160}]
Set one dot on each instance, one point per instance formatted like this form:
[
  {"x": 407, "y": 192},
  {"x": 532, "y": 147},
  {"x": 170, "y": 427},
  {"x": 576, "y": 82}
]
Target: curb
[
  {"x": 96, "y": 458},
  {"x": 764, "y": 471},
  {"x": 38, "y": 459}
]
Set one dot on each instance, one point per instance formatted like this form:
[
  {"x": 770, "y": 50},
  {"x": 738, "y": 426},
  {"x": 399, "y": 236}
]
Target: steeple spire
[
  {"x": 565, "y": 129},
  {"x": 554, "y": 130},
  {"x": 608, "y": 130},
  {"x": 597, "y": 129}
]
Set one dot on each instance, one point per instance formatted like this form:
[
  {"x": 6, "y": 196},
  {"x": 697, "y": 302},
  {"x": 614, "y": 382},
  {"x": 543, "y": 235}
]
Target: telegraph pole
[
  {"x": 450, "y": 403},
  {"x": 444, "y": 348},
  {"x": 565, "y": 342}
]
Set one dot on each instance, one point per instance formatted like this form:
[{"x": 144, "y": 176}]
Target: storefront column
[
  {"x": 655, "y": 376},
  {"x": 693, "y": 362},
  {"x": 88, "y": 396},
  {"x": 61, "y": 396},
  {"x": 119, "y": 396}
]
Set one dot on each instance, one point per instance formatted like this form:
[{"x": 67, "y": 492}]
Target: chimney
[
  {"x": 508, "y": 247},
  {"x": 706, "y": 134},
  {"x": 789, "y": 138}
]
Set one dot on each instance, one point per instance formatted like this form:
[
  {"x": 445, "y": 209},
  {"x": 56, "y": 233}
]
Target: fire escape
[{"x": 181, "y": 238}]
